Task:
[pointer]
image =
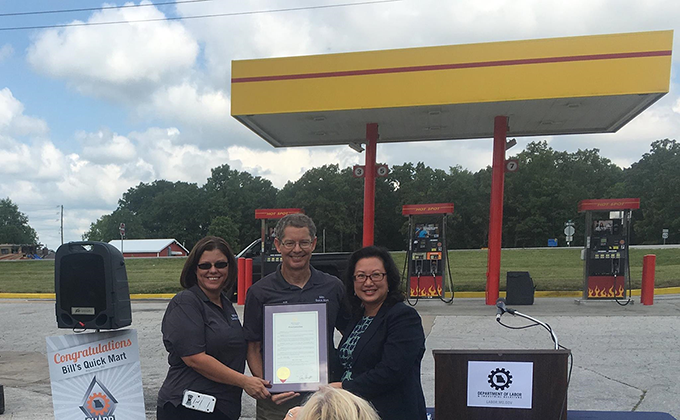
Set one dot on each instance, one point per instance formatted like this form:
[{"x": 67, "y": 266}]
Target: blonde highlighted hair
[{"x": 336, "y": 404}]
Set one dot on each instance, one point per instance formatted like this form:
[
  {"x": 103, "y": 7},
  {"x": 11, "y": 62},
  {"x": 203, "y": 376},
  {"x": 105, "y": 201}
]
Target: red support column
[
  {"x": 369, "y": 183},
  {"x": 241, "y": 283},
  {"x": 493, "y": 272},
  {"x": 647, "y": 288},
  {"x": 248, "y": 281}
]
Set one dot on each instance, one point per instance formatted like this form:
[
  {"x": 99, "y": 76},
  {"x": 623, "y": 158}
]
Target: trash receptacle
[{"x": 519, "y": 288}]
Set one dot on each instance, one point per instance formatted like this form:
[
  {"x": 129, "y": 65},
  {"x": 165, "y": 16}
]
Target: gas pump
[
  {"x": 607, "y": 229},
  {"x": 427, "y": 258}
]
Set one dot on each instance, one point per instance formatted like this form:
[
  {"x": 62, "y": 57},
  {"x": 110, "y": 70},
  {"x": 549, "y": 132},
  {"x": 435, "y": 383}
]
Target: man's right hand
[
  {"x": 256, "y": 387},
  {"x": 284, "y": 396}
]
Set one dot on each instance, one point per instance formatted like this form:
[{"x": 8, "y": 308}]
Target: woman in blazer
[{"x": 383, "y": 346}]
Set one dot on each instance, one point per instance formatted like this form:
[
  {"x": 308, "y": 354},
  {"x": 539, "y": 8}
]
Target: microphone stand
[
  {"x": 536, "y": 321},
  {"x": 503, "y": 309}
]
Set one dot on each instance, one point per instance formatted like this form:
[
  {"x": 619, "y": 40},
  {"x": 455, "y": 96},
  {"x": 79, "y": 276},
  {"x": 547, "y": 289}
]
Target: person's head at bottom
[{"x": 333, "y": 404}]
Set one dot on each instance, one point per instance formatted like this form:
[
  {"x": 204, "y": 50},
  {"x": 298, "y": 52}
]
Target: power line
[
  {"x": 254, "y": 12},
  {"x": 90, "y": 9}
]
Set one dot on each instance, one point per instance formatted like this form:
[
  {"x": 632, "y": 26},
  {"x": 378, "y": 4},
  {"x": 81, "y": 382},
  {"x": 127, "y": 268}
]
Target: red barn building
[{"x": 150, "y": 248}]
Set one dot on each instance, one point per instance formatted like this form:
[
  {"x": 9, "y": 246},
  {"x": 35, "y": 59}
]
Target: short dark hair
[
  {"x": 298, "y": 220},
  {"x": 395, "y": 293},
  {"x": 210, "y": 243}
]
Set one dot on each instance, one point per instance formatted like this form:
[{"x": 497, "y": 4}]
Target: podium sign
[
  {"x": 500, "y": 384},
  {"x": 96, "y": 376}
]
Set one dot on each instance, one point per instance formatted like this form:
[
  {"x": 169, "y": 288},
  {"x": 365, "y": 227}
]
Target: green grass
[
  {"x": 27, "y": 276},
  {"x": 145, "y": 275},
  {"x": 551, "y": 269}
]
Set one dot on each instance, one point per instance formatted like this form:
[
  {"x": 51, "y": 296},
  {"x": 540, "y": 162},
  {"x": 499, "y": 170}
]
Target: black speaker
[
  {"x": 520, "y": 288},
  {"x": 91, "y": 287}
]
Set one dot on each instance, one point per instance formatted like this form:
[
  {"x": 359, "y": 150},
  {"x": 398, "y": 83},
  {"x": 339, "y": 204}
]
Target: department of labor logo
[
  {"x": 499, "y": 379},
  {"x": 98, "y": 403}
]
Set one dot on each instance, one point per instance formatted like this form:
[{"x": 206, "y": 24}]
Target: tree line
[{"x": 539, "y": 198}]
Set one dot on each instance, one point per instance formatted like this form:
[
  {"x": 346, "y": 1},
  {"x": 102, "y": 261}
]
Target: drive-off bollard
[
  {"x": 647, "y": 288},
  {"x": 249, "y": 277},
  {"x": 241, "y": 297}
]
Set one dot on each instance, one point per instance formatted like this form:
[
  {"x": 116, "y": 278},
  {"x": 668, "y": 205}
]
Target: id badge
[{"x": 199, "y": 402}]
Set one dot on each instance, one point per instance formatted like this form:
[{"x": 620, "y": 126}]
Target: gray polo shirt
[
  {"x": 273, "y": 289},
  {"x": 193, "y": 324}
]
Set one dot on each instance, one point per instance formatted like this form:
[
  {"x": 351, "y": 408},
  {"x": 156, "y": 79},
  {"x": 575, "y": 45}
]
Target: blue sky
[{"x": 88, "y": 112}]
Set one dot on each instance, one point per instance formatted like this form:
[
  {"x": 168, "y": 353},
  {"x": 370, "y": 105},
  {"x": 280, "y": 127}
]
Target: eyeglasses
[
  {"x": 207, "y": 265},
  {"x": 306, "y": 244},
  {"x": 376, "y": 277}
]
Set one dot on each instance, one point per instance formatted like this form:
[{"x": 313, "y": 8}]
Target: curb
[{"x": 538, "y": 294}]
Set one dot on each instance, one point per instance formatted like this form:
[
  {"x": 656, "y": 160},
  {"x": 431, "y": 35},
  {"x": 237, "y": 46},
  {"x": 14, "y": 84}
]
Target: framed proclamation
[{"x": 295, "y": 347}]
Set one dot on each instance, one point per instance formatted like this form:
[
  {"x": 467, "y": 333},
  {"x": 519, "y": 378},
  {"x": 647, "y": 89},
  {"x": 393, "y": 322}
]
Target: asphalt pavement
[{"x": 626, "y": 358}]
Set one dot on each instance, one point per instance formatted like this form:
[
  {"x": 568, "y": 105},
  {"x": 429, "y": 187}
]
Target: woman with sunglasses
[
  {"x": 204, "y": 339},
  {"x": 383, "y": 346}
]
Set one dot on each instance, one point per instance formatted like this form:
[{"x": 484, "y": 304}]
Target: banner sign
[
  {"x": 438, "y": 208},
  {"x": 275, "y": 213},
  {"x": 609, "y": 204},
  {"x": 500, "y": 384},
  {"x": 96, "y": 376}
]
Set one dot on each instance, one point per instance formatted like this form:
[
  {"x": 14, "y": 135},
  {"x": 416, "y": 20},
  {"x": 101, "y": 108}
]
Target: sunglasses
[{"x": 207, "y": 265}]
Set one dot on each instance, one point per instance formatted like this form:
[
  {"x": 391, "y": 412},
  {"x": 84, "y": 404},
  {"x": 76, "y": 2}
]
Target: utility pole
[{"x": 62, "y": 224}]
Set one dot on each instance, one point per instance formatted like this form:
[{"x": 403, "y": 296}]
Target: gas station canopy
[{"x": 588, "y": 84}]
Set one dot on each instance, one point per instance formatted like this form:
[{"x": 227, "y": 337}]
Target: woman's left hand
[
  {"x": 256, "y": 387},
  {"x": 336, "y": 385}
]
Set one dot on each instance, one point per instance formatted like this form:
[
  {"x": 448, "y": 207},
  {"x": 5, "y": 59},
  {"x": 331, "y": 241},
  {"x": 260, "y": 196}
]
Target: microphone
[{"x": 501, "y": 309}]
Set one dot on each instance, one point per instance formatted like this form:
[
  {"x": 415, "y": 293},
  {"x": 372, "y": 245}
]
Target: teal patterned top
[{"x": 348, "y": 346}]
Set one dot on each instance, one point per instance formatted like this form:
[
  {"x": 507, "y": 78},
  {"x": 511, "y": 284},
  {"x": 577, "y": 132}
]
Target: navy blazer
[{"x": 386, "y": 363}]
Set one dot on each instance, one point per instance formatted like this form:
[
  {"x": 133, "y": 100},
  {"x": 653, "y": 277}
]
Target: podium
[{"x": 513, "y": 375}]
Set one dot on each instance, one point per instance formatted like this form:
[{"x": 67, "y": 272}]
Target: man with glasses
[{"x": 295, "y": 281}]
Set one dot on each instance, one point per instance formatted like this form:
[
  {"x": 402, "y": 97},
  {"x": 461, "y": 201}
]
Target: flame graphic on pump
[
  {"x": 429, "y": 292},
  {"x": 598, "y": 292}
]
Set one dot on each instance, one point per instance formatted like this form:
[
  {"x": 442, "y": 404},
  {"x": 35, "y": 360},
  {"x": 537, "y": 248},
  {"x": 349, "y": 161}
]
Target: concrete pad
[{"x": 625, "y": 358}]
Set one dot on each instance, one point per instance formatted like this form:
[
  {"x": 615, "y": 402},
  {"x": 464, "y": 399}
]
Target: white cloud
[
  {"x": 281, "y": 165},
  {"x": 676, "y": 107},
  {"x": 6, "y": 51},
  {"x": 116, "y": 61},
  {"x": 41, "y": 172},
  {"x": 247, "y": 36},
  {"x": 49, "y": 160},
  {"x": 106, "y": 147},
  {"x": 13, "y": 156},
  {"x": 12, "y": 118},
  {"x": 172, "y": 157},
  {"x": 187, "y": 103}
]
